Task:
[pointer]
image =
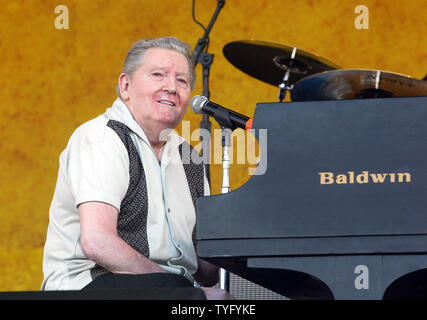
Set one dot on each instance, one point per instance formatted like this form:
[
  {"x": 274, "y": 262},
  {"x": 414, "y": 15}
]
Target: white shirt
[{"x": 95, "y": 167}]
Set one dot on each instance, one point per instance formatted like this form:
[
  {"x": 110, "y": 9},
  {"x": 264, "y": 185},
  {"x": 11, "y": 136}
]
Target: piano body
[{"x": 341, "y": 211}]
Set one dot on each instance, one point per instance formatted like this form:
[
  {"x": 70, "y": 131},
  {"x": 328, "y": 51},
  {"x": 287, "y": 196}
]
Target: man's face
[{"x": 159, "y": 92}]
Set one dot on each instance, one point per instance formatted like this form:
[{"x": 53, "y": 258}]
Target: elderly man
[{"x": 123, "y": 211}]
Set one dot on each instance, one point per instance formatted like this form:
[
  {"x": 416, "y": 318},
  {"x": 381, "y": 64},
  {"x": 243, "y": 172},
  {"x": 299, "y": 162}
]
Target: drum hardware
[
  {"x": 357, "y": 84},
  {"x": 276, "y": 64},
  {"x": 289, "y": 65}
]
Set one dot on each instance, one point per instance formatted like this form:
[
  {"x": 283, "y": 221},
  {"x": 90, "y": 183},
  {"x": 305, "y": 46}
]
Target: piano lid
[{"x": 334, "y": 168}]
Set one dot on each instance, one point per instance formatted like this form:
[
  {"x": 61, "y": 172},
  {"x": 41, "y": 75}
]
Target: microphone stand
[
  {"x": 226, "y": 143},
  {"x": 224, "y": 275},
  {"x": 206, "y": 59}
]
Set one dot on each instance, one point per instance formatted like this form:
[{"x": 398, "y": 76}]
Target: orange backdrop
[{"x": 53, "y": 80}]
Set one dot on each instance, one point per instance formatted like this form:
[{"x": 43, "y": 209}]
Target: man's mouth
[{"x": 169, "y": 103}]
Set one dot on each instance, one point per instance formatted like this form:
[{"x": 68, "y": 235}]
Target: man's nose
[{"x": 170, "y": 84}]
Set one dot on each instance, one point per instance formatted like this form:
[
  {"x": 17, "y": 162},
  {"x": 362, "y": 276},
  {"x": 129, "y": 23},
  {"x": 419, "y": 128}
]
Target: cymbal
[
  {"x": 357, "y": 84},
  {"x": 268, "y": 62}
]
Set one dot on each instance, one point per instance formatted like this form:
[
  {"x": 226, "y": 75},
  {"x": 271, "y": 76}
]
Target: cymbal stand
[
  {"x": 284, "y": 87},
  {"x": 224, "y": 275}
]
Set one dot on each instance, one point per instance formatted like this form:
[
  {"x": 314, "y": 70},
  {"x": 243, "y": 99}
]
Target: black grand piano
[{"x": 341, "y": 210}]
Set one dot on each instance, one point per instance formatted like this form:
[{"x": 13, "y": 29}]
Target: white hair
[{"x": 136, "y": 52}]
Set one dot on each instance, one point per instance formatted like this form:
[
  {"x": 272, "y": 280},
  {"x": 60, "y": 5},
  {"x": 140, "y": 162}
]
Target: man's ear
[{"x": 124, "y": 83}]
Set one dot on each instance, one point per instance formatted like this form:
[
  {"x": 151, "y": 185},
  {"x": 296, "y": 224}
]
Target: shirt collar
[{"x": 120, "y": 112}]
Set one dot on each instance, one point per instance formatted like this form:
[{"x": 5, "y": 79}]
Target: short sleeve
[{"x": 98, "y": 169}]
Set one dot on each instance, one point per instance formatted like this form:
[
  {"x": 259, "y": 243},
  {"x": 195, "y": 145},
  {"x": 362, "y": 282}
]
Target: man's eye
[
  {"x": 182, "y": 81},
  {"x": 157, "y": 74}
]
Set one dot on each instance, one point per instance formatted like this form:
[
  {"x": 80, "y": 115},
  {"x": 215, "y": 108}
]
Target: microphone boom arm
[
  {"x": 201, "y": 44},
  {"x": 206, "y": 59}
]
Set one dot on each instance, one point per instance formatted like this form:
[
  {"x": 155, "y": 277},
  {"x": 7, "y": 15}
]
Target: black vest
[{"x": 132, "y": 219}]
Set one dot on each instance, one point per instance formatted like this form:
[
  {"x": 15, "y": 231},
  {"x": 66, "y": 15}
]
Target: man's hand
[{"x": 207, "y": 273}]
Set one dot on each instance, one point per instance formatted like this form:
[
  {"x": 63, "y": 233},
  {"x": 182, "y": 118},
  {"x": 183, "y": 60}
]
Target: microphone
[{"x": 225, "y": 117}]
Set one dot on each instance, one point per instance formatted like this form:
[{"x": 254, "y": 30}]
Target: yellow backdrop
[{"x": 53, "y": 80}]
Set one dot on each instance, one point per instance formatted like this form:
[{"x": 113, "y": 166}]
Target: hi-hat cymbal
[
  {"x": 268, "y": 62},
  {"x": 357, "y": 84}
]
